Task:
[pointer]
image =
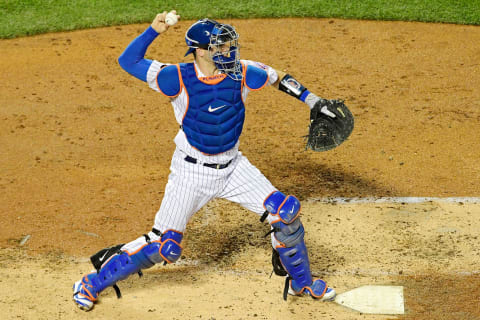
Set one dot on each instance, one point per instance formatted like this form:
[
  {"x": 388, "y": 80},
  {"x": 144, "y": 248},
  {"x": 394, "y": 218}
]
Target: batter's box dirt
[{"x": 441, "y": 296}]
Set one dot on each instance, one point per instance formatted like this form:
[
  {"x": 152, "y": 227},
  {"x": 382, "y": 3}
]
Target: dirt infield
[{"x": 85, "y": 151}]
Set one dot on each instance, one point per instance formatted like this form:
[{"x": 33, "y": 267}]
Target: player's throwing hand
[{"x": 159, "y": 24}]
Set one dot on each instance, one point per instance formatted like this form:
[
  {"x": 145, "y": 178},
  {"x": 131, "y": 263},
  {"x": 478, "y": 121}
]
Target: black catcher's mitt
[{"x": 327, "y": 132}]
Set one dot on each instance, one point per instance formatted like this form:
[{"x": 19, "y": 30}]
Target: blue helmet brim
[{"x": 190, "y": 50}]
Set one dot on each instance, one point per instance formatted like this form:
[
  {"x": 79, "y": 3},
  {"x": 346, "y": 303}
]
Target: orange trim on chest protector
[{"x": 216, "y": 78}]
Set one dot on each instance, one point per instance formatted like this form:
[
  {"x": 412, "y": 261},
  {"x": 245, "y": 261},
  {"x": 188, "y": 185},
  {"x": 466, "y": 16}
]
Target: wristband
[{"x": 291, "y": 86}]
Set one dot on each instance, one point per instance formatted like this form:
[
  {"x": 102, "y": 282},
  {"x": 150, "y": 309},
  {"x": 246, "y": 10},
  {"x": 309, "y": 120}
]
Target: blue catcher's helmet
[{"x": 221, "y": 41}]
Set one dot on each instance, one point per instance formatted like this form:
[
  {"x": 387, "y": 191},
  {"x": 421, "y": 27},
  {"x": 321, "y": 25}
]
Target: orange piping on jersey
[
  {"x": 211, "y": 80},
  {"x": 166, "y": 95},
  {"x": 263, "y": 86}
]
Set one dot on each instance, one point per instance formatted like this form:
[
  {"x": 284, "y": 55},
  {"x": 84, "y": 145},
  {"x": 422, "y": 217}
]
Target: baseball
[{"x": 171, "y": 19}]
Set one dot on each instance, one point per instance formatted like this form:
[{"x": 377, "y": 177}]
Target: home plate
[{"x": 373, "y": 299}]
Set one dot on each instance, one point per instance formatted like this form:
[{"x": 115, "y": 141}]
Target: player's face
[
  {"x": 224, "y": 49},
  {"x": 204, "y": 55}
]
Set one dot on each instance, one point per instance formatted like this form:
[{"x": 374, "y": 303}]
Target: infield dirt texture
[{"x": 85, "y": 152}]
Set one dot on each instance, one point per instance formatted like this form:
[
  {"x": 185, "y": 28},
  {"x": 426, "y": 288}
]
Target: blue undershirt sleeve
[{"x": 132, "y": 59}]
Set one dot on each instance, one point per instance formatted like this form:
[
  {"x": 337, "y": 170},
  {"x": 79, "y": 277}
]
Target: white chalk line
[
  {"x": 353, "y": 272},
  {"x": 356, "y": 200},
  {"x": 377, "y": 273}
]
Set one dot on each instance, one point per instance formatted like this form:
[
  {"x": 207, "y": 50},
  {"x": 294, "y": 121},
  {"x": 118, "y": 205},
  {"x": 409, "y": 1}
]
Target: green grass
[{"x": 29, "y": 17}]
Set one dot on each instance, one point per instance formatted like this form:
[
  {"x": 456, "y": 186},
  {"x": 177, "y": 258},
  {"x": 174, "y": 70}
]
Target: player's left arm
[
  {"x": 288, "y": 84},
  {"x": 266, "y": 75}
]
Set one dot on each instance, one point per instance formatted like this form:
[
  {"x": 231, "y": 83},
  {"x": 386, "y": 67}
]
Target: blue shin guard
[
  {"x": 114, "y": 265},
  {"x": 291, "y": 249},
  {"x": 295, "y": 261}
]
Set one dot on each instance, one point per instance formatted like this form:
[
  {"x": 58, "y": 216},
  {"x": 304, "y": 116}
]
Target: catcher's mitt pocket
[{"x": 325, "y": 132}]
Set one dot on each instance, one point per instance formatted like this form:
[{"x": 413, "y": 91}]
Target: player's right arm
[{"x": 133, "y": 59}]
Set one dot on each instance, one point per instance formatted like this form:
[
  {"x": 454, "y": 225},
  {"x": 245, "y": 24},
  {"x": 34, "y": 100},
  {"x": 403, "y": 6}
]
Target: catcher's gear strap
[
  {"x": 99, "y": 258},
  {"x": 282, "y": 208},
  {"x": 294, "y": 88},
  {"x": 278, "y": 268}
]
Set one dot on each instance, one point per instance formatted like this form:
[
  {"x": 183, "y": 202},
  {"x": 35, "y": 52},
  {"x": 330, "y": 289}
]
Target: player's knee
[
  {"x": 166, "y": 249},
  {"x": 284, "y": 214},
  {"x": 171, "y": 250},
  {"x": 282, "y": 208},
  {"x": 154, "y": 248}
]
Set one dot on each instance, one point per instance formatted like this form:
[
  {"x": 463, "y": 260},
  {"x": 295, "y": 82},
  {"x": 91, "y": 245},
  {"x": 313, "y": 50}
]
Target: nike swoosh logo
[
  {"x": 103, "y": 257},
  {"x": 210, "y": 109}
]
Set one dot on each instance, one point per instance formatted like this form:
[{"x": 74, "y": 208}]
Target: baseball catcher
[{"x": 208, "y": 98}]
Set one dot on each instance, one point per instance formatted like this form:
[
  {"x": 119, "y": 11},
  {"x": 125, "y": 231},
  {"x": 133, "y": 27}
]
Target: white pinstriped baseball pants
[{"x": 192, "y": 185}]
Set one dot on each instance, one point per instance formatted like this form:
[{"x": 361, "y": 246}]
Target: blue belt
[{"x": 210, "y": 165}]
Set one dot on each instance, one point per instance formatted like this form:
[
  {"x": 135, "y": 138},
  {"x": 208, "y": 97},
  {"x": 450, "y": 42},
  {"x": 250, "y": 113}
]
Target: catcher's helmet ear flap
[{"x": 198, "y": 35}]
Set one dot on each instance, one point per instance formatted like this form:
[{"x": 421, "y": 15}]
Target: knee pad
[
  {"x": 283, "y": 212},
  {"x": 170, "y": 249},
  {"x": 145, "y": 253},
  {"x": 119, "y": 264},
  {"x": 282, "y": 208}
]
